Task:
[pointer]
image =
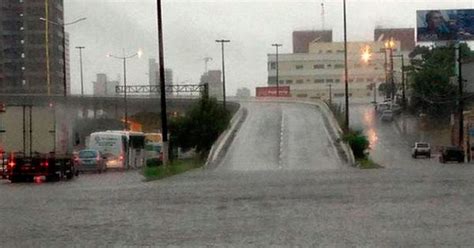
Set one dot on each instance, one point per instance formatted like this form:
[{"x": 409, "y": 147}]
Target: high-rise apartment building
[
  {"x": 213, "y": 79},
  {"x": 154, "y": 73},
  {"x": 24, "y": 56}
]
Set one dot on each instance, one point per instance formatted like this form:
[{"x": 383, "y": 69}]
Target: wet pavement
[
  {"x": 391, "y": 141},
  {"x": 255, "y": 203}
]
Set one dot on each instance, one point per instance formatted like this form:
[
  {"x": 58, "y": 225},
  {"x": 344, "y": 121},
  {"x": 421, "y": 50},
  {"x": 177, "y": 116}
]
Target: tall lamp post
[
  {"x": 223, "y": 68},
  {"x": 63, "y": 26},
  {"x": 346, "y": 70},
  {"x": 82, "y": 72},
  {"x": 390, "y": 44},
  {"x": 403, "y": 78},
  {"x": 276, "y": 45},
  {"x": 124, "y": 59}
]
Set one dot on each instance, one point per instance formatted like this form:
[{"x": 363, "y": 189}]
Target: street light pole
[
  {"x": 276, "y": 45},
  {"x": 403, "y": 77},
  {"x": 63, "y": 26},
  {"x": 223, "y": 68},
  {"x": 346, "y": 72},
  {"x": 124, "y": 59},
  {"x": 164, "y": 117},
  {"x": 82, "y": 73}
]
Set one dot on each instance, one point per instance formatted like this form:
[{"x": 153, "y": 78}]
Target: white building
[{"x": 310, "y": 74}]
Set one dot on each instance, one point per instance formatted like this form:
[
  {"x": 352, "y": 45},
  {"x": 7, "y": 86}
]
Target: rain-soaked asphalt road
[{"x": 298, "y": 202}]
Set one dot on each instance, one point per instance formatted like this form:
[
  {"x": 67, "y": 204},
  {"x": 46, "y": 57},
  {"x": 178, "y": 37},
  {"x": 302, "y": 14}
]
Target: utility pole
[
  {"x": 276, "y": 45},
  {"x": 223, "y": 68},
  {"x": 164, "y": 117},
  {"x": 330, "y": 94},
  {"x": 461, "y": 100},
  {"x": 82, "y": 73},
  {"x": 64, "y": 61},
  {"x": 346, "y": 72}
]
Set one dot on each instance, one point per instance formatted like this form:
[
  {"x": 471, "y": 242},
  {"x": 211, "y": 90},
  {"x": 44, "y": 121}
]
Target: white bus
[
  {"x": 153, "y": 146},
  {"x": 121, "y": 149}
]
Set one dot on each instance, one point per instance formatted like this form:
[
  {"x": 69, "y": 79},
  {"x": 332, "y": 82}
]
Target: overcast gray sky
[{"x": 191, "y": 28}]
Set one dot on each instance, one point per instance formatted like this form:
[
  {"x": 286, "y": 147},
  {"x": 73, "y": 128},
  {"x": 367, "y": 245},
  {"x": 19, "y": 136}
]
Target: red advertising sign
[{"x": 283, "y": 91}]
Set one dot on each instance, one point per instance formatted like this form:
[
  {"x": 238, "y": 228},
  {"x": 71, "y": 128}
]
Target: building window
[
  {"x": 308, "y": 80},
  {"x": 22, "y": 55},
  {"x": 359, "y": 80},
  {"x": 329, "y": 80},
  {"x": 338, "y": 66},
  {"x": 299, "y": 81},
  {"x": 281, "y": 81},
  {"x": 329, "y": 65},
  {"x": 299, "y": 67},
  {"x": 340, "y": 51},
  {"x": 319, "y": 81},
  {"x": 289, "y": 81},
  {"x": 329, "y": 51},
  {"x": 272, "y": 66},
  {"x": 337, "y": 80},
  {"x": 318, "y": 66}
]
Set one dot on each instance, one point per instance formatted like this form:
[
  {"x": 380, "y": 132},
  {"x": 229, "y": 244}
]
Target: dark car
[
  {"x": 454, "y": 154},
  {"x": 90, "y": 160}
]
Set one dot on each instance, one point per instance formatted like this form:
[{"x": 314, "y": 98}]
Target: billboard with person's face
[{"x": 445, "y": 25}]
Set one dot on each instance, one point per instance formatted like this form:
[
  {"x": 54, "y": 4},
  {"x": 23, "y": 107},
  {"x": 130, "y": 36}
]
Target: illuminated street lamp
[
  {"x": 124, "y": 59},
  {"x": 390, "y": 44}
]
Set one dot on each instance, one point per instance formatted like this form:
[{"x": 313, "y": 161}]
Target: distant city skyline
[{"x": 252, "y": 26}]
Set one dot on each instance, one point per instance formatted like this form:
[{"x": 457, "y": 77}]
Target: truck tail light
[{"x": 45, "y": 164}]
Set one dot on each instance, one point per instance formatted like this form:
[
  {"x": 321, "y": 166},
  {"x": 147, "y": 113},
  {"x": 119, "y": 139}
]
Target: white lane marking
[{"x": 282, "y": 128}]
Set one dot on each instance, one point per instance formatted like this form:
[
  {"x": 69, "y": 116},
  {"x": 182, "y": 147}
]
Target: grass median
[{"x": 175, "y": 167}]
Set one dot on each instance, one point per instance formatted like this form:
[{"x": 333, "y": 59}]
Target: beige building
[{"x": 312, "y": 74}]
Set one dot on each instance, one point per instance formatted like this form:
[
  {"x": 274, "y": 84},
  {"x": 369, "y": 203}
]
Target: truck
[{"x": 36, "y": 142}]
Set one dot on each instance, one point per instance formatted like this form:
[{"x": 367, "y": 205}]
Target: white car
[
  {"x": 387, "y": 115},
  {"x": 421, "y": 148}
]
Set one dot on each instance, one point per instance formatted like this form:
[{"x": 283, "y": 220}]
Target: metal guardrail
[{"x": 177, "y": 88}]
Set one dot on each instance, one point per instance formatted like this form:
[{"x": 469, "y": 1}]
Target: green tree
[
  {"x": 201, "y": 126},
  {"x": 430, "y": 72}
]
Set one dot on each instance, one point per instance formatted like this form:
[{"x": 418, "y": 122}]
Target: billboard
[
  {"x": 445, "y": 25},
  {"x": 283, "y": 91}
]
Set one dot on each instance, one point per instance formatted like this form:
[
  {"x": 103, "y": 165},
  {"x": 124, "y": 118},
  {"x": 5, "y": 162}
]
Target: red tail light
[
  {"x": 11, "y": 162},
  {"x": 45, "y": 164},
  {"x": 121, "y": 158}
]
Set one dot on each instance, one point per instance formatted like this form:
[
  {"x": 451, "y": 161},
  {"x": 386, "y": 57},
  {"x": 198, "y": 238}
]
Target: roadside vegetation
[
  {"x": 155, "y": 172},
  {"x": 196, "y": 131},
  {"x": 430, "y": 80},
  {"x": 357, "y": 141}
]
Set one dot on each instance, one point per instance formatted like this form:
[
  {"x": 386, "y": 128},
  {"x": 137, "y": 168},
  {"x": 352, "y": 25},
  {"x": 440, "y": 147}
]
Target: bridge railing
[{"x": 202, "y": 89}]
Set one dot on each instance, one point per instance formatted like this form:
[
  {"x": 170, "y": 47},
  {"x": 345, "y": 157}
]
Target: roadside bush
[
  {"x": 358, "y": 143},
  {"x": 201, "y": 126}
]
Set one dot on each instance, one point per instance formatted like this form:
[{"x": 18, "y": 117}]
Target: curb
[{"x": 220, "y": 147}]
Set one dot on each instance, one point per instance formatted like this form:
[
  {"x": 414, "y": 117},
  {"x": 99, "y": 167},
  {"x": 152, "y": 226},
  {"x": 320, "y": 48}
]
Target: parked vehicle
[
  {"x": 451, "y": 153},
  {"x": 421, "y": 148},
  {"x": 153, "y": 148},
  {"x": 381, "y": 107},
  {"x": 121, "y": 149},
  {"x": 387, "y": 115},
  {"x": 90, "y": 161},
  {"x": 36, "y": 143},
  {"x": 3, "y": 166}
]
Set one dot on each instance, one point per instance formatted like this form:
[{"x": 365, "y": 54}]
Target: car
[
  {"x": 90, "y": 160},
  {"x": 3, "y": 167},
  {"x": 451, "y": 153},
  {"x": 421, "y": 148},
  {"x": 387, "y": 115},
  {"x": 382, "y": 107}
]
